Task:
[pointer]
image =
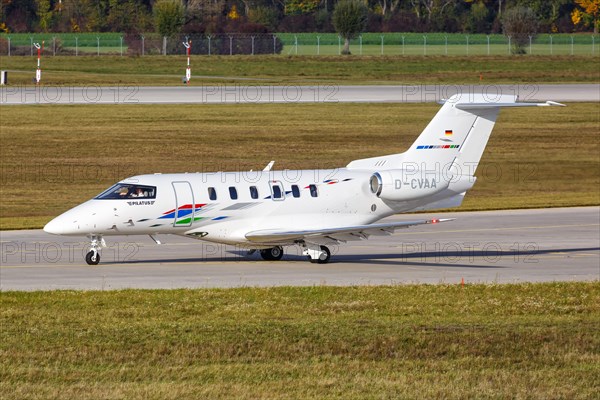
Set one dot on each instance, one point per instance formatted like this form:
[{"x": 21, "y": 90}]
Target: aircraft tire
[
  {"x": 327, "y": 257},
  {"x": 319, "y": 260},
  {"x": 90, "y": 259},
  {"x": 272, "y": 254}
]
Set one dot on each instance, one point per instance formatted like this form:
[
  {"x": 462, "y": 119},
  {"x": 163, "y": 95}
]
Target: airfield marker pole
[
  {"x": 571, "y": 45},
  {"x": 230, "y": 45},
  {"x": 360, "y": 45},
  {"x": 274, "y": 44},
  {"x": 53, "y": 46},
  {"x": 296, "y": 44},
  {"x": 252, "y": 45},
  {"x": 424, "y": 45},
  {"x": 402, "y": 45},
  {"x": 551, "y": 47},
  {"x": 446, "y": 44},
  {"x": 593, "y": 45},
  {"x": 381, "y": 45},
  {"x": 188, "y": 72},
  {"x": 9, "y": 45},
  {"x": 488, "y": 45},
  {"x": 209, "y": 39},
  {"x": 467, "y": 45},
  {"x": 31, "y": 40},
  {"x": 121, "y": 37},
  {"x": 318, "y": 45},
  {"x": 530, "y": 44},
  {"x": 98, "y": 44},
  {"x": 339, "y": 45},
  {"x": 509, "y": 45},
  {"x": 76, "y": 47},
  {"x": 143, "y": 50},
  {"x": 38, "y": 71}
]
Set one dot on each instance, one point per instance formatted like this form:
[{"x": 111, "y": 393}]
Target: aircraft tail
[{"x": 454, "y": 139}]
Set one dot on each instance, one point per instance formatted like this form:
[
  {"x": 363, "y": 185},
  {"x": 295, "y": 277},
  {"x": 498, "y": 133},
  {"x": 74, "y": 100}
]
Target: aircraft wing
[{"x": 341, "y": 234}]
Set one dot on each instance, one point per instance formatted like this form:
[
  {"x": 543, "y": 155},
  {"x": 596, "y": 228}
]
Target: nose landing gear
[
  {"x": 316, "y": 254},
  {"x": 93, "y": 255}
]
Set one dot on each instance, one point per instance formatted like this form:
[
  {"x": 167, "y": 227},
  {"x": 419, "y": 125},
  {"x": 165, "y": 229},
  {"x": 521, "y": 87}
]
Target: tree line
[{"x": 262, "y": 16}]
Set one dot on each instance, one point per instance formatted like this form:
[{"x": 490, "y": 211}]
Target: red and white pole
[
  {"x": 38, "y": 71},
  {"x": 188, "y": 70}
]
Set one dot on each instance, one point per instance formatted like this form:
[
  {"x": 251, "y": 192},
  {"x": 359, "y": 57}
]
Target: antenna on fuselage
[{"x": 269, "y": 166}]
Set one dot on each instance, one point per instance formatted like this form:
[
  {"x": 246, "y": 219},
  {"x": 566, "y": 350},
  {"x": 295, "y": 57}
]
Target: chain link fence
[{"x": 314, "y": 44}]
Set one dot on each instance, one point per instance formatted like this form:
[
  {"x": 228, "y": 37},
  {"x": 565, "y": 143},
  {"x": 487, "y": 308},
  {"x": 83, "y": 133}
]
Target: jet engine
[{"x": 400, "y": 185}]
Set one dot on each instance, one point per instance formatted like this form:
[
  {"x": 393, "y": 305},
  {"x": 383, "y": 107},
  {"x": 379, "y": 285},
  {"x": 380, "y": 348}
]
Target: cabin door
[{"x": 184, "y": 204}]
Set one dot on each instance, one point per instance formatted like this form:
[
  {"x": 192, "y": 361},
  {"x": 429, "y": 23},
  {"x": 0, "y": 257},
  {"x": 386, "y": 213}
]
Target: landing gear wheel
[
  {"x": 272, "y": 254},
  {"x": 92, "y": 257},
  {"x": 323, "y": 257}
]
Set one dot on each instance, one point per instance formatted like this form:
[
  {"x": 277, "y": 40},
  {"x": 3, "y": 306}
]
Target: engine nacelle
[{"x": 400, "y": 185}]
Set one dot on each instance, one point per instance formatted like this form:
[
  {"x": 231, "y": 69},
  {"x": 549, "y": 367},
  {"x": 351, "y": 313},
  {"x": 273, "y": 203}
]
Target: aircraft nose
[{"x": 55, "y": 227}]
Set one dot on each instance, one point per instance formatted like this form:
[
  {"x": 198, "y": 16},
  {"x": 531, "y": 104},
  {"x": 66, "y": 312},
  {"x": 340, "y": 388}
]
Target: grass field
[
  {"x": 534, "y": 341},
  {"x": 54, "y": 157},
  {"x": 158, "y": 70}
]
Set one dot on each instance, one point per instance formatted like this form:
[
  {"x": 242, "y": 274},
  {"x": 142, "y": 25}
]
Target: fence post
[
  {"x": 467, "y": 45},
  {"x": 230, "y": 45},
  {"x": 360, "y": 45},
  {"x": 425, "y": 45},
  {"x": 446, "y": 44},
  {"x": 98, "y": 48},
  {"x": 488, "y": 44},
  {"x": 31, "y": 40},
  {"x": 509, "y": 45},
  {"x": 551, "y": 47},
  {"x": 381, "y": 44},
  {"x": 143, "y": 47},
  {"x": 53, "y": 46},
  {"x": 274, "y": 44},
  {"x": 593, "y": 45},
  {"x": 402, "y": 45},
  {"x": 572, "y": 45},
  {"x": 121, "y": 37},
  {"x": 339, "y": 45},
  {"x": 209, "y": 39},
  {"x": 318, "y": 45},
  {"x": 76, "y": 46},
  {"x": 296, "y": 44},
  {"x": 252, "y": 44},
  {"x": 9, "y": 46}
]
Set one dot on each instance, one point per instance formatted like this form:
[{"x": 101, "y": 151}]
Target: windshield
[{"x": 128, "y": 191}]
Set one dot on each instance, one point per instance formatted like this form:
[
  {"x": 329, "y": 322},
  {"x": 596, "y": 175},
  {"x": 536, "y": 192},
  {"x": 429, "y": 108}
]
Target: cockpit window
[{"x": 126, "y": 191}]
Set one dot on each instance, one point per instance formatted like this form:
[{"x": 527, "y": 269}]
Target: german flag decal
[{"x": 448, "y": 132}]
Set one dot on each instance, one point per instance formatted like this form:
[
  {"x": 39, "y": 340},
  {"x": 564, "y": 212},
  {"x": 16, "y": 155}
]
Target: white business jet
[{"x": 267, "y": 210}]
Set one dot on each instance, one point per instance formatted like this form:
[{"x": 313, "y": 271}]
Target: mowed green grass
[
  {"x": 535, "y": 341},
  {"x": 55, "y": 157},
  {"x": 158, "y": 70}
]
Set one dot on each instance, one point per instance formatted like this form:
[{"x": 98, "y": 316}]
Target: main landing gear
[
  {"x": 315, "y": 253},
  {"x": 93, "y": 255},
  {"x": 272, "y": 254}
]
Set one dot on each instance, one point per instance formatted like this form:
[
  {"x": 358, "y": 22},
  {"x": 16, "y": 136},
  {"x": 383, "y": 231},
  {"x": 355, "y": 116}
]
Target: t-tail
[{"x": 443, "y": 160}]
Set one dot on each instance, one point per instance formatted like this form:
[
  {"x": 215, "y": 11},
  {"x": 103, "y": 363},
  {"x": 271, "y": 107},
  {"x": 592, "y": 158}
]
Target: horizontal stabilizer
[
  {"x": 341, "y": 234},
  {"x": 482, "y": 106}
]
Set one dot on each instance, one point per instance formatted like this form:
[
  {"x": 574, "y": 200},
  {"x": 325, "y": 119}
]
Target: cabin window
[
  {"x": 313, "y": 190},
  {"x": 253, "y": 192},
  {"x": 212, "y": 193},
  {"x": 233, "y": 193},
  {"x": 295, "y": 191},
  {"x": 277, "y": 193},
  {"x": 127, "y": 191}
]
